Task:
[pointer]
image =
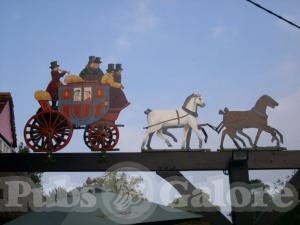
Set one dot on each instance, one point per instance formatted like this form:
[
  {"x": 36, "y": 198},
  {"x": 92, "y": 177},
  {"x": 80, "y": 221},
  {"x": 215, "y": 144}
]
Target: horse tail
[
  {"x": 223, "y": 112},
  {"x": 147, "y": 111}
]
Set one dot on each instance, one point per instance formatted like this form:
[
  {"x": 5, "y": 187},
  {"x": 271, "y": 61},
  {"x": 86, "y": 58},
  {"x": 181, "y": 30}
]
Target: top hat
[
  {"x": 53, "y": 64},
  {"x": 110, "y": 67},
  {"x": 119, "y": 67},
  {"x": 91, "y": 59},
  {"x": 97, "y": 60}
]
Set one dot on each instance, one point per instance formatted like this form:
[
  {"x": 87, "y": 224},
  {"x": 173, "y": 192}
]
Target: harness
[
  {"x": 194, "y": 114},
  {"x": 189, "y": 112}
]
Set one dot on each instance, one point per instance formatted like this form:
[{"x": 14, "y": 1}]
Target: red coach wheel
[
  {"x": 48, "y": 132},
  {"x": 101, "y": 136},
  {"x": 86, "y": 132}
]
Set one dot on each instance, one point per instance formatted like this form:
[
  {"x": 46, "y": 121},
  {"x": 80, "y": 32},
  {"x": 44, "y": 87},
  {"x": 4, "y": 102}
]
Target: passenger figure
[
  {"x": 55, "y": 82},
  {"x": 117, "y": 96},
  {"x": 109, "y": 78},
  {"x": 92, "y": 71}
]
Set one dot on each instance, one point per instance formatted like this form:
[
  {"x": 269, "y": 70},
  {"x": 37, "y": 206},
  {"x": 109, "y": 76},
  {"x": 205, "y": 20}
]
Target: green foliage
[
  {"x": 23, "y": 148},
  {"x": 35, "y": 176},
  {"x": 56, "y": 194},
  {"x": 118, "y": 182}
]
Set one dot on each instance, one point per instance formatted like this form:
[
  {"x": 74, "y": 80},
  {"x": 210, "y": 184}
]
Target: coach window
[{"x": 77, "y": 94}]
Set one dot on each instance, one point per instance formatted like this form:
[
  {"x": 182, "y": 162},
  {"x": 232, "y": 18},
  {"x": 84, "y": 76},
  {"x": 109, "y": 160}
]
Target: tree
[
  {"x": 56, "y": 194},
  {"x": 118, "y": 182}
]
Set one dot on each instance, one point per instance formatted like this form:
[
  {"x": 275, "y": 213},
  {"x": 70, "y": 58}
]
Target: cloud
[
  {"x": 287, "y": 73},
  {"x": 142, "y": 20},
  {"x": 286, "y": 119},
  {"x": 217, "y": 31},
  {"x": 122, "y": 43},
  {"x": 290, "y": 67}
]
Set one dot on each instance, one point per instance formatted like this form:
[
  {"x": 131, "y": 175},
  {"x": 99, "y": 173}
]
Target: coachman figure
[{"x": 55, "y": 82}]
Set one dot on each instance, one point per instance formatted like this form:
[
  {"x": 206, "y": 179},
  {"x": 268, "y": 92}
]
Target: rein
[
  {"x": 178, "y": 118},
  {"x": 189, "y": 112}
]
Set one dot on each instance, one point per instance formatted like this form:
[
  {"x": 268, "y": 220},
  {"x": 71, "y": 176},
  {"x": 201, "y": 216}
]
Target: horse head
[
  {"x": 199, "y": 100},
  {"x": 193, "y": 101},
  {"x": 268, "y": 101}
]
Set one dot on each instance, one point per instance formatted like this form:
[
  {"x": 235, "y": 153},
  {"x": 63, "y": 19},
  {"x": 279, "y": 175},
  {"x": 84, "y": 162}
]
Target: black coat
[{"x": 90, "y": 74}]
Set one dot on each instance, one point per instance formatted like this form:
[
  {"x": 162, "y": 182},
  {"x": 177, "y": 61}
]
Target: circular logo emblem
[{"x": 126, "y": 206}]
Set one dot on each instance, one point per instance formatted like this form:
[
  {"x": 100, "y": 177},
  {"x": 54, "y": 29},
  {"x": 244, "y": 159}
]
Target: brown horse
[{"x": 235, "y": 121}]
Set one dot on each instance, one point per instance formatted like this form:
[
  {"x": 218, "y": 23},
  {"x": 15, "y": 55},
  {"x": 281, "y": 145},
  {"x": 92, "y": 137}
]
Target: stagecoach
[{"x": 82, "y": 105}]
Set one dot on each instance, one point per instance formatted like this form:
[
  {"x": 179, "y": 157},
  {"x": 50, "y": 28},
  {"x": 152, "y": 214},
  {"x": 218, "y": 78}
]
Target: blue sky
[{"x": 227, "y": 50}]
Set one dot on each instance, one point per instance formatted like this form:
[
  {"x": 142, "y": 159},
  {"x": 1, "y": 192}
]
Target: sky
[{"x": 227, "y": 50}]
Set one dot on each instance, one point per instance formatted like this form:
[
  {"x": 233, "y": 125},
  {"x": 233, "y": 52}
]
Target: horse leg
[
  {"x": 146, "y": 137},
  {"x": 204, "y": 132},
  {"x": 257, "y": 137},
  {"x": 219, "y": 128},
  {"x": 232, "y": 135},
  {"x": 194, "y": 127},
  {"x": 222, "y": 138},
  {"x": 240, "y": 131},
  {"x": 184, "y": 140},
  {"x": 188, "y": 138},
  {"x": 160, "y": 134},
  {"x": 241, "y": 140},
  {"x": 272, "y": 131},
  {"x": 280, "y": 135},
  {"x": 166, "y": 132},
  {"x": 149, "y": 141}
]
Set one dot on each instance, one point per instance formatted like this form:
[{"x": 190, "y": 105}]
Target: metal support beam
[
  {"x": 154, "y": 161},
  {"x": 210, "y": 213},
  {"x": 239, "y": 178}
]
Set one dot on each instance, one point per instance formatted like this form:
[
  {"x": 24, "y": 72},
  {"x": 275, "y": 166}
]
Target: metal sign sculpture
[
  {"x": 82, "y": 104},
  {"x": 160, "y": 120},
  {"x": 235, "y": 121}
]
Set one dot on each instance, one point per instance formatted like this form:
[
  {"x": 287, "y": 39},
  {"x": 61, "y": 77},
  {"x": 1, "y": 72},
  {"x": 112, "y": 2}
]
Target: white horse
[{"x": 160, "y": 120}]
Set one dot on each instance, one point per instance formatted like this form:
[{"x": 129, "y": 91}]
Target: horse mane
[
  {"x": 188, "y": 99},
  {"x": 261, "y": 99}
]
